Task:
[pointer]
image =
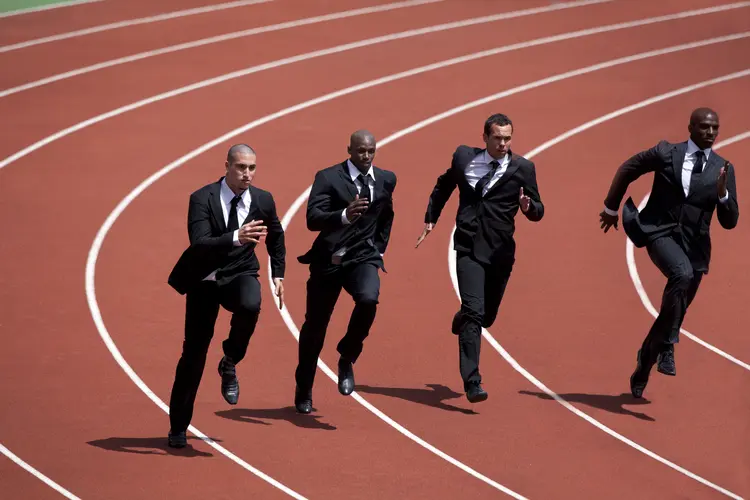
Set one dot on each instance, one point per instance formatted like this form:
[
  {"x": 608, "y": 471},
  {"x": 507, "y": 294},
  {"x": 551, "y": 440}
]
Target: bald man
[
  {"x": 226, "y": 220},
  {"x": 351, "y": 205},
  {"x": 690, "y": 182}
]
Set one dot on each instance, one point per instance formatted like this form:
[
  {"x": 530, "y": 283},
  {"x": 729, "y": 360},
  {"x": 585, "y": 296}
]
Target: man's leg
[
  {"x": 242, "y": 297},
  {"x": 363, "y": 283},
  {"x": 468, "y": 323},
  {"x": 494, "y": 289},
  {"x": 201, "y": 310},
  {"x": 322, "y": 293}
]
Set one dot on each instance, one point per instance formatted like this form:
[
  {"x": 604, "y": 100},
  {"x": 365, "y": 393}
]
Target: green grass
[{"x": 7, "y": 5}]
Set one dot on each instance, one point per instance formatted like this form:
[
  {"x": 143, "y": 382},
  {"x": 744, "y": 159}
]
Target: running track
[{"x": 571, "y": 317}]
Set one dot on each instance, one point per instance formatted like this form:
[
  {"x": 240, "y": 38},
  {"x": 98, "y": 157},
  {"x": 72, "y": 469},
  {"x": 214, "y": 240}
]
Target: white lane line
[
  {"x": 49, "y": 482},
  {"x": 589, "y": 69},
  {"x": 342, "y": 48},
  {"x": 130, "y": 22},
  {"x": 634, "y": 276},
  {"x": 59, "y": 5},
  {"x": 305, "y": 22}
]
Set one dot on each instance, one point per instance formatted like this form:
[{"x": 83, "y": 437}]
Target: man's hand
[
  {"x": 278, "y": 283},
  {"x": 427, "y": 229},
  {"x": 524, "y": 201},
  {"x": 356, "y": 208},
  {"x": 251, "y": 232},
  {"x": 722, "y": 182},
  {"x": 608, "y": 220}
]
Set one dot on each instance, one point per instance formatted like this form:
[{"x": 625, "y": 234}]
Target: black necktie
[
  {"x": 487, "y": 177},
  {"x": 233, "y": 223},
  {"x": 365, "y": 191},
  {"x": 697, "y": 169}
]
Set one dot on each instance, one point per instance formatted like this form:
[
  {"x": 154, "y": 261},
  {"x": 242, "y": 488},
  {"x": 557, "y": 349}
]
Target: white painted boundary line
[
  {"x": 633, "y": 271},
  {"x": 589, "y": 69},
  {"x": 49, "y": 482},
  {"x": 130, "y": 22},
  {"x": 342, "y": 48},
  {"x": 309, "y": 55},
  {"x": 40, "y": 8}
]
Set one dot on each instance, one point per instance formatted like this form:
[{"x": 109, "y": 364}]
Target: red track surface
[{"x": 570, "y": 317}]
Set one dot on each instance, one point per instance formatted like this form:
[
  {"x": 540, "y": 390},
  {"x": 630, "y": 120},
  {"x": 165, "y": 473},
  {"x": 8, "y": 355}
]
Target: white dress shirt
[
  {"x": 480, "y": 165},
  {"x": 355, "y": 173},
  {"x": 687, "y": 169},
  {"x": 243, "y": 208}
]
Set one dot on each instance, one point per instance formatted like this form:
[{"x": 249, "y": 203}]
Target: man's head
[
  {"x": 704, "y": 127},
  {"x": 362, "y": 149},
  {"x": 240, "y": 167},
  {"x": 498, "y": 131}
]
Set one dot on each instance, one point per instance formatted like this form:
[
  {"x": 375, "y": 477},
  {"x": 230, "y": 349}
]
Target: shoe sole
[{"x": 478, "y": 398}]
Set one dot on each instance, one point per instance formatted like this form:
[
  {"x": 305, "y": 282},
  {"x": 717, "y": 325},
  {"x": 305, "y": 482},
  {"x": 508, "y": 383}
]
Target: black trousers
[
  {"x": 481, "y": 288},
  {"x": 362, "y": 282},
  {"x": 679, "y": 292},
  {"x": 241, "y": 297}
]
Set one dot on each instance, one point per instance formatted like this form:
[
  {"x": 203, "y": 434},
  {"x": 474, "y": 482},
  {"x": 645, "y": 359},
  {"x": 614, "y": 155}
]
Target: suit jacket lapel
[
  {"x": 254, "y": 210},
  {"x": 512, "y": 167},
  {"x": 379, "y": 184},
  {"x": 468, "y": 157},
  {"x": 707, "y": 177},
  {"x": 347, "y": 180},
  {"x": 678, "y": 158},
  {"x": 214, "y": 203}
]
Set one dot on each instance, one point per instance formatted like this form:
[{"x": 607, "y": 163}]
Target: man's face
[
  {"x": 240, "y": 171},
  {"x": 704, "y": 129},
  {"x": 362, "y": 152},
  {"x": 498, "y": 140}
]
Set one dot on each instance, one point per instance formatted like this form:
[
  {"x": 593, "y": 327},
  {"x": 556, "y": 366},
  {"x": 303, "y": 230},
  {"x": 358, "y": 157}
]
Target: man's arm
[
  {"x": 727, "y": 210},
  {"x": 385, "y": 222},
  {"x": 440, "y": 195},
  {"x": 275, "y": 241},
  {"x": 535, "y": 210},
  {"x": 634, "y": 167}
]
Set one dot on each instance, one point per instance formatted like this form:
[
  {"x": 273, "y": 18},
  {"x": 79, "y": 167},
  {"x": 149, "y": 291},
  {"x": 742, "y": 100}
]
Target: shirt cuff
[
  {"x": 236, "y": 238},
  {"x": 725, "y": 198},
  {"x": 610, "y": 212},
  {"x": 344, "y": 220}
]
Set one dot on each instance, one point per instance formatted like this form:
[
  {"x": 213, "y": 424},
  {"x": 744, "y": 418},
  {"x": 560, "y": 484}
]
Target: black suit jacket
[
  {"x": 366, "y": 238},
  {"x": 668, "y": 211},
  {"x": 211, "y": 247},
  {"x": 485, "y": 225}
]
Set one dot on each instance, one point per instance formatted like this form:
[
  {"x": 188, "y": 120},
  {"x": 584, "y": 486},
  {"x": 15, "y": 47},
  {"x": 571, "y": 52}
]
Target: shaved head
[
  {"x": 362, "y": 149},
  {"x": 237, "y": 149},
  {"x": 704, "y": 127}
]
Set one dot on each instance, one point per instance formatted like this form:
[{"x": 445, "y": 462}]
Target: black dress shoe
[
  {"x": 177, "y": 439},
  {"x": 639, "y": 378},
  {"x": 230, "y": 386},
  {"x": 346, "y": 377},
  {"x": 665, "y": 362},
  {"x": 475, "y": 393},
  {"x": 303, "y": 400}
]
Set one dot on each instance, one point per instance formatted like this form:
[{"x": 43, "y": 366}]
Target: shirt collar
[
  {"x": 693, "y": 147},
  {"x": 227, "y": 194},
  {"x": 354, "y": 171},
  {"x": 488, "y": 158}
]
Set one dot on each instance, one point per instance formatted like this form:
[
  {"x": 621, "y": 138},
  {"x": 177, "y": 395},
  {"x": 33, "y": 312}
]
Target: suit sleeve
[
  {"x": 637, "y": 165},
  {"x": 385, "y": 222},
  {"x": 275, "y": 242},
  {"x": 536, "y": 207},
  {"x": 441, "y": 193},
  {"x": 728, "y": 212},
  {"x": 320, "y": 216},
  {"x": 199, "y": 227}
]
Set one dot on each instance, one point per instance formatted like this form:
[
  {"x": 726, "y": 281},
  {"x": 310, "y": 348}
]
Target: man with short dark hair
[
  {"x": 493, "y": 183},
  {"x": 351, "y": 205},
  {"x": 226, "y": 220},
  {"x": 690, "y": 182}
]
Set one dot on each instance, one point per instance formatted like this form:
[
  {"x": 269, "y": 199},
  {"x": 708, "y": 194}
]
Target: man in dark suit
[
  {"x": 351, "y": 204},
  {"x": 493, "y": 183},
  {"x": 226, "y": 220},
  {"x": 690, "y": 182}
]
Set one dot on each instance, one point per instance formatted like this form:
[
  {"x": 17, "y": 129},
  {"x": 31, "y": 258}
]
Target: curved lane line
[
  {"x": 316, "y": 20},
  {"x": 128, "y": 23},
  {"x": 634, "y": 276},
  {"x": 24, "y": 465}
]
